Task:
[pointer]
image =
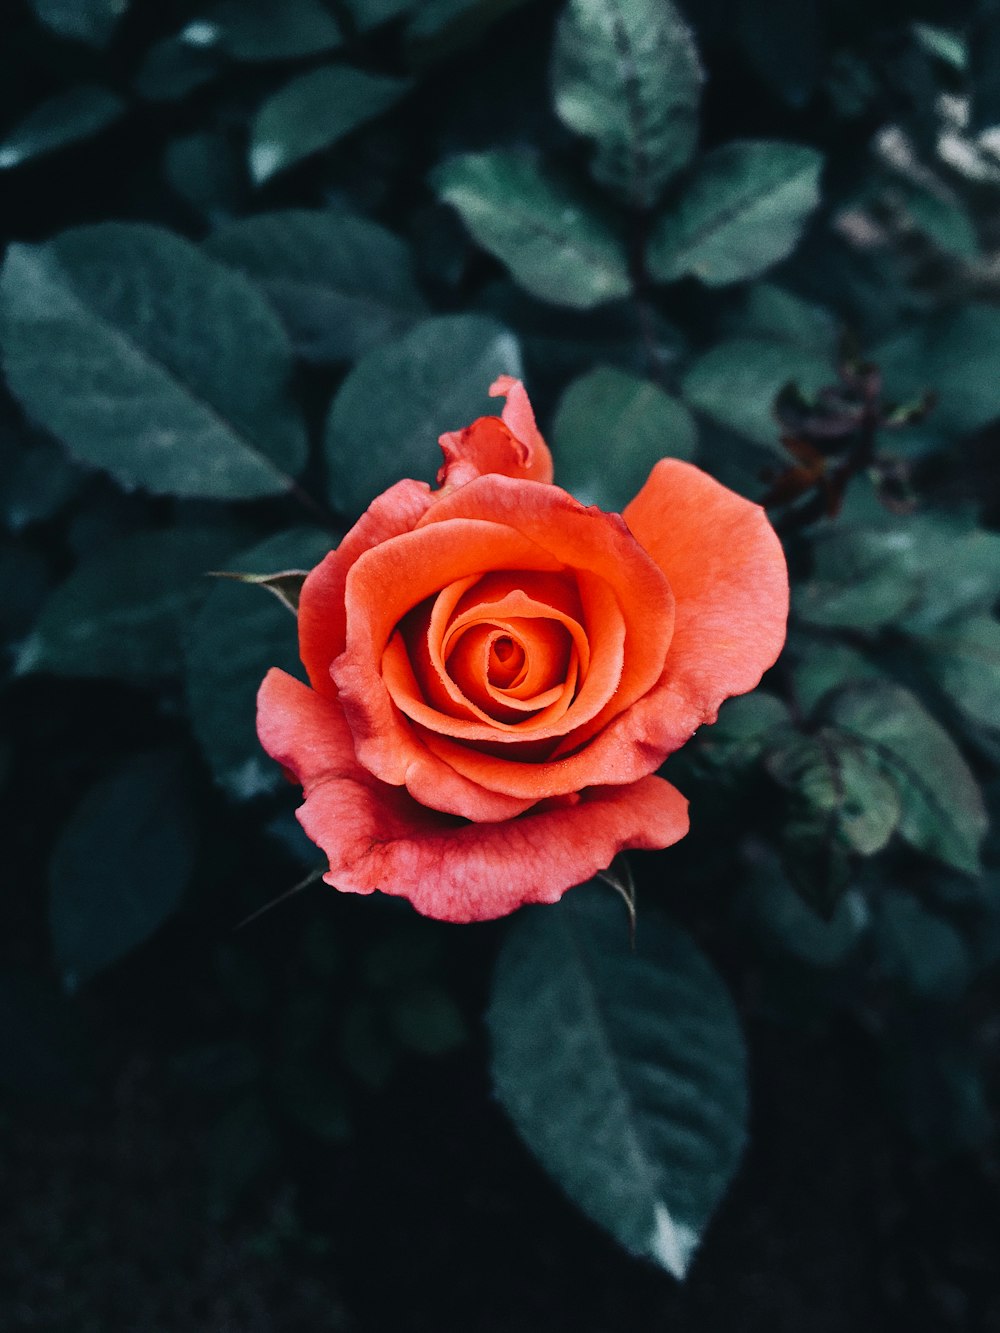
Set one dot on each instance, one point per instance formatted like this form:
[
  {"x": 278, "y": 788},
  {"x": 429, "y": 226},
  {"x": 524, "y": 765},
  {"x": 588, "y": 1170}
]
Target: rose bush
[{"x": 497, "y": 671}]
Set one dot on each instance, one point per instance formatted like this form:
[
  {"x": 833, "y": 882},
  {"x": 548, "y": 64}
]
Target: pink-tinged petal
[
  {"x": 727, "y": 570},
  {"x": 378, "y": 838},
  {"x": 518, "y": 415},
  {"x": 509, "y": 445},
  {"x": 322, "y": 617}
]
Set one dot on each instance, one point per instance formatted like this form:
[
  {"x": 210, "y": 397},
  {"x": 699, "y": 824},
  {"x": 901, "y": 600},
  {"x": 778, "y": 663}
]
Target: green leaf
[
  {"x": 841, "y": 801},
  {"x": 438, "y": 375},
  {"x": 173, "y": 67},
  {"x": 236, "y": 636},
  {"x": 943, "y": 219},
  {"x": 944, "y": 44},
  {"x": 623, "y": 1072},
  {"x": 787, "y": 927},
  {"x": 963, "y": 658},
  {"x": 943, "y": 811},
  {"x": 955, "y": 355},
  {"x": 90, "y": 21},
  {"x": 744, "y": 728},
  {"x": 626, "y": 74},
  {"x": 737, "y": 382},
  {"x": 984, "y": 66},
  {"x": 207, "y": 173},
  {"x": 313, "y": 112},
  {"x": 743, "y": 211},
  {"x": 918, "y": 572},
  {"x": 120, "y": 612},
  {"x": 36, "y": 480},
  {"x": 368, "y": 14},
  {"x": 439, "y": 28},
  {"x": 820, "y": 665},
  {"x": 553, "y": 241},
  {"x": 610, "y": 428},
  {"x": 263, "y": 30},
  {"x": 79, "y": 113},
  {"x": 339, "y": 283},
  {"x": 149, "y": 360},
  {"x": 784, "y": 44},
  {"x": 918, "y": 948},
  {"x": 779, "y": 316},
  {"x": 120, "y": 865}
]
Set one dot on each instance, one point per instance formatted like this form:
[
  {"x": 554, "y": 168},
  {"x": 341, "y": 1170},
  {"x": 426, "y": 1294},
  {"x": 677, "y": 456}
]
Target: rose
[{"x": 497, "y": 671}]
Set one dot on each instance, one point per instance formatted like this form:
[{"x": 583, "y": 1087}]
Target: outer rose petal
[
  {"x": 322, "y": 617},
  {"x": 378, "y": 837},
  {"x": 727, "y": 570}
]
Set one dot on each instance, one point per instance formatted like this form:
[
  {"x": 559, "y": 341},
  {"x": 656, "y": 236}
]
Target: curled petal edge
[{"x": 377, "y": 838}]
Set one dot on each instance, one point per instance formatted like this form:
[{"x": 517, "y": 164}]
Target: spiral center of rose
[{"x": 507, "y": 651}]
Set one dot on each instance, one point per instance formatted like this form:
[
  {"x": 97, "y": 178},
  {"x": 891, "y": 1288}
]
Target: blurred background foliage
[{"x": 259, "y": 254}]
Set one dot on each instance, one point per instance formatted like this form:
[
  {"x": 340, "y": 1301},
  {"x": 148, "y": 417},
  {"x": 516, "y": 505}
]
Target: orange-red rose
[{"x": 497, "y": 671}]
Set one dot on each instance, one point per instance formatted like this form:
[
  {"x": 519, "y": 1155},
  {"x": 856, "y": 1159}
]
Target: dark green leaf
[
  {"x": 173, "y": 67},
  {"x": 438, "y": 28},
  {"x": 207, "y": 173},
  {"x": 371, "y": 13},
  {"x": 737, "y": 382},
  {"x": 937, "y": 1070},
  {"x": 944, "y": 44},
  {"x": 79, "y": 113},
  {"x": 942, "y": 218},
  {"x": 771, "y": 313},
  {"x": 785, "y": 926},
  {"x": 954, "y": 355},
  {"x": 555, "y": 243},
  {"x": 743, "y": 211},
  {"x": 120, "y": 865},
  {"x": 120, "y": 613},
  {"x": 150, "y": 360},
  {"x": 943, "y": 812},
  {"x": 745, "y": 726},
  {"x": 91, "y": 21},
  {"x": 626, "y": 74},
  {"x": 339, "y": 283},
  {"x": 623, "y": 1072},
  {"x": 841, "y": 800},
  {"x": 610, "y": 428},
  {"x": 237, "y": 635},
  {"x": 821, "y": 665},
  {"x": 984, "y": 63},
  {"x": 963, "y": 657},
  {"x": 918, "y": 948},
  {"x": 35, "y": 481},
  {"x": 437, "y": 375},
  {"x": 922, "y": 570},
  {"x": 784, "y": 43},
  {"x": 263, "y": 30},
  {"x": 313, "y": 112},
  {"x": 25, "y": 579}
]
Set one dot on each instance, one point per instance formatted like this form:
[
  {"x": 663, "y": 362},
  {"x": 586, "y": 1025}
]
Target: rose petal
[
  {"x": 519, "y": 417},
  {"x": 728, "y": 573},
  {"x": 379, "y": 838},
  {"x": 510, "y": 445},
  {"x": 322, "y": 616}
]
